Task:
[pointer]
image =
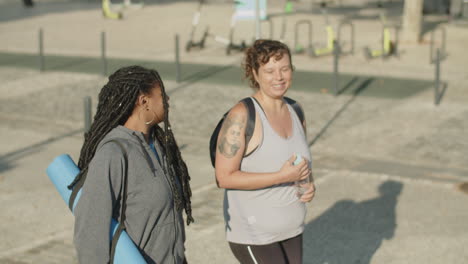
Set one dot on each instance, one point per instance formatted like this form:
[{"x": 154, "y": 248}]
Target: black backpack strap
[
  {"x": 76, "y": 189},
  {"x": 250, "y": 126},
  {"x": 123, "y": 205},
  {"x": 248, "y": 129},
  {"x": 297, "y": 108}
]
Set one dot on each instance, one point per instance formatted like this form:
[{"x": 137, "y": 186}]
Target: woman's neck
[
  {"x": 137, "y": 125},
  {"x": 267, "y": 102}
]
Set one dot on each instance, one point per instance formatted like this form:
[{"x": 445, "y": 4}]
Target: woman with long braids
[{"x": 131, "y": 105}]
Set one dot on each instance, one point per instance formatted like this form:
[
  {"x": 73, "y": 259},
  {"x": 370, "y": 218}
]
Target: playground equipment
[{"x": 389, "y": 47}]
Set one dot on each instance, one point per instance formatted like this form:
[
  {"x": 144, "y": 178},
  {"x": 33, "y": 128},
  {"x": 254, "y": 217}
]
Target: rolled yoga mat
[{"x": 62, "y": 172}]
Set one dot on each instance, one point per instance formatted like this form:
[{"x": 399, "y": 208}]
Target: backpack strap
[
  {"x": 123, "y": 205},
  {"x": 76, "y": 189},
  {"x": 295, "y": 105},
  {"x": 248, "y": 129},
  {"x": 250, "y": 126},
  {"x": 297, "y": 108}
]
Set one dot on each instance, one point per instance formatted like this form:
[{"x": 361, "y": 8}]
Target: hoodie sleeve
[{"x": 93, "y": 211}]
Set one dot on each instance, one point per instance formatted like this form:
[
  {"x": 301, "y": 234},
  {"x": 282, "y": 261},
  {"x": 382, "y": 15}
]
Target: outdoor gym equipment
[{"x": 389, "y": 46}]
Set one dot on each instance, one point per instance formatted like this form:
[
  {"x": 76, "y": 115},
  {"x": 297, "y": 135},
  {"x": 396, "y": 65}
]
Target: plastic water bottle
[{"x": 301, "y": 185}]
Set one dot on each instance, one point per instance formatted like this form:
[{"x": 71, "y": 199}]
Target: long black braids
[
  {"x": 116, "y": 103},
  {"x": 177, "y": 166}
]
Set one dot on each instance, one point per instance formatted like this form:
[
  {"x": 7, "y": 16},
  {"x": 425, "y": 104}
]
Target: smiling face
[{"x": 274, "y": 77}]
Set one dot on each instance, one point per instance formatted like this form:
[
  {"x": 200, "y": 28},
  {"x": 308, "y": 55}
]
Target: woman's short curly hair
[{"x": 259, "y": 54}]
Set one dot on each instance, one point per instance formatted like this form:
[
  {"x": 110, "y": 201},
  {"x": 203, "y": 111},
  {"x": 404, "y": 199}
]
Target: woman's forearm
[{"x": 248, "y": 181}]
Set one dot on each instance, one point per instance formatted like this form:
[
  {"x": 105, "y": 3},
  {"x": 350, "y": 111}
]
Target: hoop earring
[{"x": 147, "y": 122}]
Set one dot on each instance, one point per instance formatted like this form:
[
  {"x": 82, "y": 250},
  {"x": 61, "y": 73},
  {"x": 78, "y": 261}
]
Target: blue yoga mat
[{"x": 61, "y": 172}]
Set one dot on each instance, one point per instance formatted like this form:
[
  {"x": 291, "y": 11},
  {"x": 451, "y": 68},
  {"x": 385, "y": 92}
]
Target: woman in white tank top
[{"x": 264, "y": 215}]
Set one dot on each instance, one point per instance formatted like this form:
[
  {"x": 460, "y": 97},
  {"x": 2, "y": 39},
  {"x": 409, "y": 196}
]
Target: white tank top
[{"x": 268, "y": 215}]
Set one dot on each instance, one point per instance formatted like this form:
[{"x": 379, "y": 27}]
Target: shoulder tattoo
[{"x": 230, "y": 136}]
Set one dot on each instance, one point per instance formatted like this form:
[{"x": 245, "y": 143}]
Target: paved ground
[{"x": 387, "y": 161}]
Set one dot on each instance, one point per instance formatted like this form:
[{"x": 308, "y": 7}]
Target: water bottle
[{"x": 301, "y": 185}]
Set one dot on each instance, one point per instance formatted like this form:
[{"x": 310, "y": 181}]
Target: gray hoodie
[{"x": 152, "y": 221}]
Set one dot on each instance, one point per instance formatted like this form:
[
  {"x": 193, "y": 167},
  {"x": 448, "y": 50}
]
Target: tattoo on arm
[{"x": 230, "y": 136}]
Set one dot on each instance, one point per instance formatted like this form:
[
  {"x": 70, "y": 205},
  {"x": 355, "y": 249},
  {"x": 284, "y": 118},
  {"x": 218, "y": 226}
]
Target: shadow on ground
[
  {"x": 362, "y": 86},
  {"x": 350, "y": 231},
  {"x": 7, "y": 160},
  {"x": 319, "y": 82}
]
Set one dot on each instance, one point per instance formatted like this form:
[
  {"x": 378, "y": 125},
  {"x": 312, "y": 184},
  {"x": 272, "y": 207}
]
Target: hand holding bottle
[
  {"x": 291, "y": 173},
  {"x": 303, "y": 184}
]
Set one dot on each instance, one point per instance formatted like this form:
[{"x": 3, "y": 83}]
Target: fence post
[
  {"x": 336, "y": 81},
  {"x": 87, "y": 113},
  {"x": 177, "y": 59},
  {"x": 41, "y": 50},
  {"x": 103, "y": 53},
  {"x": 437, "y": 78},
  {"x": 443, "y": 39}
]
